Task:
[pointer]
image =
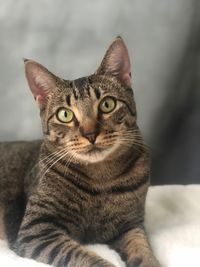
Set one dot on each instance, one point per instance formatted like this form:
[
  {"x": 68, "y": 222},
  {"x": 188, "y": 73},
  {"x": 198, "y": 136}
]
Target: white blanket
[{"x": 172, "y": 222}]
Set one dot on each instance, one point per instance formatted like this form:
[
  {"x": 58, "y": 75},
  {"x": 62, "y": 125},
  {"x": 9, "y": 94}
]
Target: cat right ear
[
  {"x": 40, "y": 80},
  {"x": 116, "y": 62}
]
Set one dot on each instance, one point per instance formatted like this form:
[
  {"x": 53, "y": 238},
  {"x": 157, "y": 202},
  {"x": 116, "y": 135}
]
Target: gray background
[{"x": 70, "y": 39}]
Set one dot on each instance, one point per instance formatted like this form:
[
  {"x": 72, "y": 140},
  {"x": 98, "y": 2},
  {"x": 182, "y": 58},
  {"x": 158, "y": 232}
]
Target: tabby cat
[{"x": 86, "y": 181}]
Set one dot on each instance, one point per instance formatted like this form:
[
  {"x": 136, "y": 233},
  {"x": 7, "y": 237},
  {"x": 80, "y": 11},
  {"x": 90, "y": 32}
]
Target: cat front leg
[
  {"x": 44, "y": 238},
  {"x": 135, "y": 250}
]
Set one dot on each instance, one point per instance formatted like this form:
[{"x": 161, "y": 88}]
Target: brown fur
[{"x": 86, "y": 182}]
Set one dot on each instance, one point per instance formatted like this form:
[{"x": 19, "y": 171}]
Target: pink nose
[
  {"x": 90, "y": 136},
  {"x": 89, "y": 129}
]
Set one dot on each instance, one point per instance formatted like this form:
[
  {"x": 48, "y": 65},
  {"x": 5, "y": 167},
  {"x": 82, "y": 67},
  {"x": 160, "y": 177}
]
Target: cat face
[{"x": 90, "y": 118}]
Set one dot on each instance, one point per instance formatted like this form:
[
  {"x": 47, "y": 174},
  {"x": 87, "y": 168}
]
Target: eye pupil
[
  {"x": 106, "y": 104},
  {"x": 65, "y": 115}
]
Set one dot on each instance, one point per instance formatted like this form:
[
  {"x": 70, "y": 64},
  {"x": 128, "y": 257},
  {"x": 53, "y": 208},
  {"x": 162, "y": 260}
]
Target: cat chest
[
  {"x": 96, "y": 218},
  {"x": 107, "y": 216}
]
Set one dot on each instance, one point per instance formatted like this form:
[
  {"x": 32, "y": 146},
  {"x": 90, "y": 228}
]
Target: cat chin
[{"x": 96, "y": 156}]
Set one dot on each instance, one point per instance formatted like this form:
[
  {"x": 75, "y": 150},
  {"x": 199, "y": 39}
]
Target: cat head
[{"x": 90, "y": 118}]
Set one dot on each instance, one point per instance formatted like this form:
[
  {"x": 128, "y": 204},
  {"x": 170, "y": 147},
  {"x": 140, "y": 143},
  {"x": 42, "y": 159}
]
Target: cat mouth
[
  {"x": 95, "y": 148},
  {"x": 95, "y": 152}
]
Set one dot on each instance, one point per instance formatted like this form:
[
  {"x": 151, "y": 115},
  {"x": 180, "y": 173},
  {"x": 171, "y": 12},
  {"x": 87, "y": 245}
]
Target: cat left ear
[
  {"x": 116, "y": 62},
  {"x": 40, "y": 80}
]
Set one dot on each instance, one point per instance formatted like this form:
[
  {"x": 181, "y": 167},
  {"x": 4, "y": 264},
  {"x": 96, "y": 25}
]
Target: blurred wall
[
  {"x": 70, "y": 37},
  {"x": 176, "y": 145}
]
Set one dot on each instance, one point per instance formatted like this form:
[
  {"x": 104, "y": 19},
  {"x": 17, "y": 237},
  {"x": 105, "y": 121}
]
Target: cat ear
[
  {"x": 40, "y": 80},
  {"x": 116, "y": 62}
]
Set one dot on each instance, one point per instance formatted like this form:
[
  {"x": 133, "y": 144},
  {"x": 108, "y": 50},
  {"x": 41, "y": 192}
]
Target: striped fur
[{"x": 67, "y": 191}]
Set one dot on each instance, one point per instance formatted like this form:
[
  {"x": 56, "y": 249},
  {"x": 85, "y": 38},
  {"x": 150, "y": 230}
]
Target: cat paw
[{"x": 140, "y": 261}]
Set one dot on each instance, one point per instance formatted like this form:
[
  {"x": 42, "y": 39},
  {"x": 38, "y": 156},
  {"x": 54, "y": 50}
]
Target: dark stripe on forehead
[
  {"x": 88, "y": 90},
  {"x": 81, "y": 84},
  {"x": 68, "y": 100},
  {"x": 88, "y": 86},
  {"x": 71, "y": 83},
  {"x": 75, "y": 93},
  {"x": 97, "y": 92}
]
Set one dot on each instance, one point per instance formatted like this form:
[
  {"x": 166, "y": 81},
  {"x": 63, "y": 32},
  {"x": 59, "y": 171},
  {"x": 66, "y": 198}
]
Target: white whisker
[{"x": 60, "y": 156}]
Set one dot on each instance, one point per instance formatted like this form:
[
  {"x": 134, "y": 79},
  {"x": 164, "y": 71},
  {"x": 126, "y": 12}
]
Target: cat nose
[
  {"x": 89, "y": 129},
  {"x": 91, "y": 136}
]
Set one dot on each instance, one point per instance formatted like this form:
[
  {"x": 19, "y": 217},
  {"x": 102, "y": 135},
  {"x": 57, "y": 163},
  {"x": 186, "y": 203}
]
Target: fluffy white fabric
[{"x": 172, "y": 222}]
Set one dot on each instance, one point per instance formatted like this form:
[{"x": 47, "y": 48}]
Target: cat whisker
[
  {"x": 55, "y": 153},
  {"x": 51, "y": 155},
  {"x": 60, "y": 156},
  {"x": 133, "y": 142},
  {"x": 131, "y": 145},
  {"x": 50, "y": 160},
  {"x": 68, "y": 162}
]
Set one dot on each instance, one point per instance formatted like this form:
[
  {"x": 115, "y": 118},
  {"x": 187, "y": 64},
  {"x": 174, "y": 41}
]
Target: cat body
[{"x": 86, "y": 181}]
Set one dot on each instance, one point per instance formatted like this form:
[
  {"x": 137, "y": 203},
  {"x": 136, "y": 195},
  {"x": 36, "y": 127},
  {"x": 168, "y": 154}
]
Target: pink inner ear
[
  {"x": 126, "y": 79},
  {"x": 120, "y": 65},
  {"x": 117, "y": 62},
  {"x": 39, "y": 81},
  {"x": 125, "y": 67},
  {"x": 36, "y": 89},
  {"x": 40, "y": 99}
]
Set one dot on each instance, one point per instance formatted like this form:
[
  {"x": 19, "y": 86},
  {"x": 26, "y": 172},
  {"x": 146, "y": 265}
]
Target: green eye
[
  {"x": 108, "y": 104},
  {"x": 65, "y": 115}
]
